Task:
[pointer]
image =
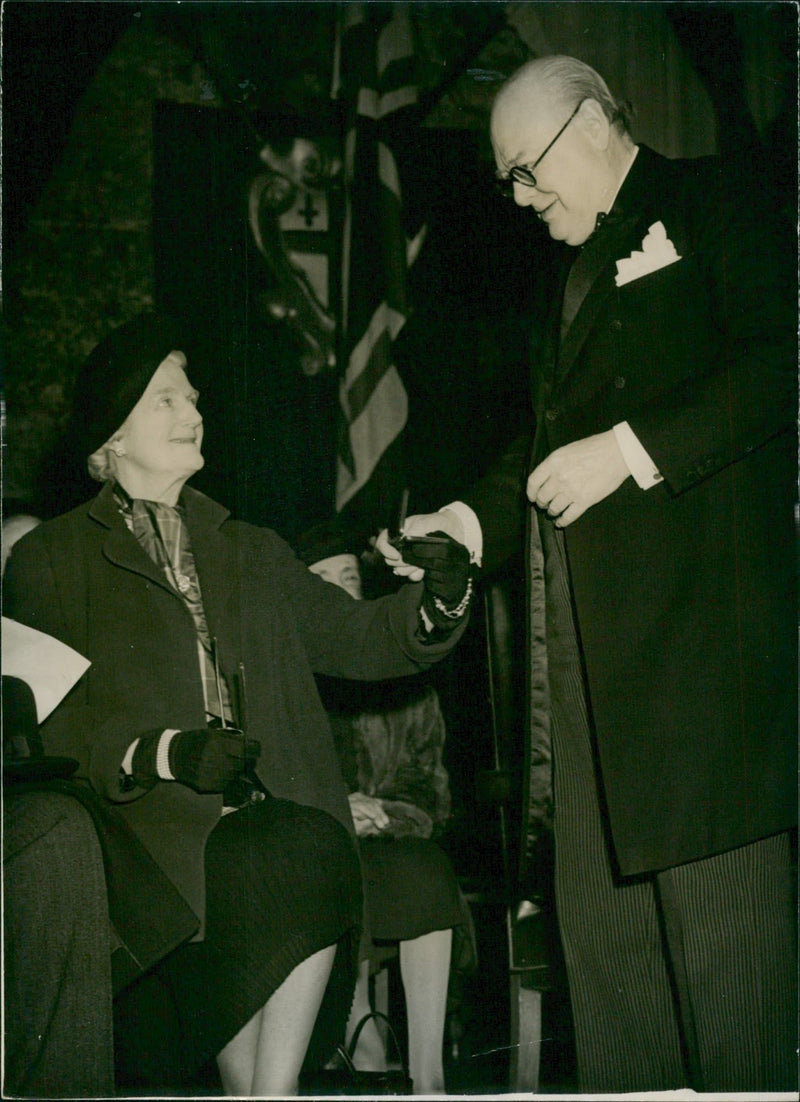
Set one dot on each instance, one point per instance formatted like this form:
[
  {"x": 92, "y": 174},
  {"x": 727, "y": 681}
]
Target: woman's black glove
[
  {"x": 447, "y": 581},
  {"x": 206, "y": 760}
]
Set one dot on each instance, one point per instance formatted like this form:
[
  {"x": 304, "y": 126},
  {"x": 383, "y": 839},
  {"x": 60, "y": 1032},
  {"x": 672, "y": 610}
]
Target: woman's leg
[
  {"x": 370, "y": 1053},
  {"x": 264, "y": 1059},
  {"x": 425, "y": 968},
  {"x": 237, "y": 1060}
]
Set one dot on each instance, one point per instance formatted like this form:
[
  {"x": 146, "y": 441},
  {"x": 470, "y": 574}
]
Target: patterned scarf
[{"x": 162, "y": 532}]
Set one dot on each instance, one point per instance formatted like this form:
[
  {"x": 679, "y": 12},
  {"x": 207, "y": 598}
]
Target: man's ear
[{"x": 595, "y": 124}]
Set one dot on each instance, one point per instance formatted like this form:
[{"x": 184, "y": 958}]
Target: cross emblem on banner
[{"x": 309, "y": 211}]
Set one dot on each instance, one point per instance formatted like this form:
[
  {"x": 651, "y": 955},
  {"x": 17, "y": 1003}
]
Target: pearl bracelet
[{"x": 461, "y": 607}]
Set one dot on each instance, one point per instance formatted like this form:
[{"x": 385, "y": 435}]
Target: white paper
[{"x": 50, "y": 667}]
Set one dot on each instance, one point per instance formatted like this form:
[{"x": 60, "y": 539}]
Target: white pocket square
[{"x": 657, "y": 252}]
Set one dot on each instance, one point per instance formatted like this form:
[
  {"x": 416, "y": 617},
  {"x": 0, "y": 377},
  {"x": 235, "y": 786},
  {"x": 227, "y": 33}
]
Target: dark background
[{"x": 92, "y": 233}]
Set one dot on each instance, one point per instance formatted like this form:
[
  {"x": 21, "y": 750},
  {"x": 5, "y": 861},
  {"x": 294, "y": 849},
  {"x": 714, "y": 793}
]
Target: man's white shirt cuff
[
  {"x": 473, "y": 534},
  {"x": 639, "y": 463}
]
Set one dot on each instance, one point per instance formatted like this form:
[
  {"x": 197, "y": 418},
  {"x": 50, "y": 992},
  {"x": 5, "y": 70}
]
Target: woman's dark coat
[{"x": 84, "y": 579}]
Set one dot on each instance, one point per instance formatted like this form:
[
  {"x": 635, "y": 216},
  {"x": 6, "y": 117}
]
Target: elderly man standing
[{"x": 662, "y": 479}]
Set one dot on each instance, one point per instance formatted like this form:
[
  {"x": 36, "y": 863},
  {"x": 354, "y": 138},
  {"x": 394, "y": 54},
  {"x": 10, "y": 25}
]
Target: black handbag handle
[
  {"x": 351, "y": 1048},
  {"x": 350, "y": 1067}
]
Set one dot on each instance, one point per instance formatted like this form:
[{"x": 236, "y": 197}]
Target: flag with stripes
[{"x": 378, "y": 90}]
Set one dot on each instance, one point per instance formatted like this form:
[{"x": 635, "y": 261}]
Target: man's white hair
[{"x": 562, "y": 80}]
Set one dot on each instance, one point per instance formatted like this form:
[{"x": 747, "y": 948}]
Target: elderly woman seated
[{"x": 199, "y": 717}]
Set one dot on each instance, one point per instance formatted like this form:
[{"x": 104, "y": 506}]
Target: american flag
[{"x": 378, "y": 90}]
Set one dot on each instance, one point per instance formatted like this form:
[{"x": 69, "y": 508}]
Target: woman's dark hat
[
  {"x": 324, "y": 540},
  {"x": 115, "y": 375}
]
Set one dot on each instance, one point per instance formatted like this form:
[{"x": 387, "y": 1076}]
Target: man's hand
[
  {"x": 577, "y": 476},
  {"x": 422, "y": 524},
  {"x": 369, "y": 818}
]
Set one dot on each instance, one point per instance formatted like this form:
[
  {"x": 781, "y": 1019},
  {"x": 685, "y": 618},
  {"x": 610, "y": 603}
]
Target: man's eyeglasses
[{"x": 523, "y": 174}]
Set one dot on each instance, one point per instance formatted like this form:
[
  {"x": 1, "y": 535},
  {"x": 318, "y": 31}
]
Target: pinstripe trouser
[
  {"x": 686, "y": 978},
  {"x": 57, "y": 1024}
]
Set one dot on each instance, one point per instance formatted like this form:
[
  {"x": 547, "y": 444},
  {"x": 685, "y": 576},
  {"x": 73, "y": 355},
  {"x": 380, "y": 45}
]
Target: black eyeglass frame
[{"x": 523, "y": 174}]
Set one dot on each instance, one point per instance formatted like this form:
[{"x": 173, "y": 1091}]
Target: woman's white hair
[{"x": 102, "y": 465}]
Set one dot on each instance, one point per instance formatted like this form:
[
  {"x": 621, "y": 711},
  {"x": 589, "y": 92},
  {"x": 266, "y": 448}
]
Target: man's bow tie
[{"x": 604, "y": 221}]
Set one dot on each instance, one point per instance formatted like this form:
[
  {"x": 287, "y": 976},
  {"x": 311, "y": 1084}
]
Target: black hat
[
  {"x": 115, "y": 375},
  {"x": 324, "y": 540}
]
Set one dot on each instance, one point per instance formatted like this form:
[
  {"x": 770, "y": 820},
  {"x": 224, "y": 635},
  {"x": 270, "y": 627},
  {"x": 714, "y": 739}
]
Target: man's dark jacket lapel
[{"x": 595, "y": 266}]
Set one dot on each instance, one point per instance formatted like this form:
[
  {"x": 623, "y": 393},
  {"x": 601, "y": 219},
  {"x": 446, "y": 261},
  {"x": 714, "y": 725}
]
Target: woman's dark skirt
[
  {"x": 410, "y": 888},
  {"x": 282, "y": 882}
]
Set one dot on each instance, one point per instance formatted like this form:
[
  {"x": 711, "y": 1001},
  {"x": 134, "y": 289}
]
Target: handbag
[{"x": 347, "y": 1079}]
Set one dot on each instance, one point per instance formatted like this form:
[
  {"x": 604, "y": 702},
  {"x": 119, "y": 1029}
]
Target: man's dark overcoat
[
  {"x": 684, "y": 594},
  {"x": 85, "y": 579}
]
